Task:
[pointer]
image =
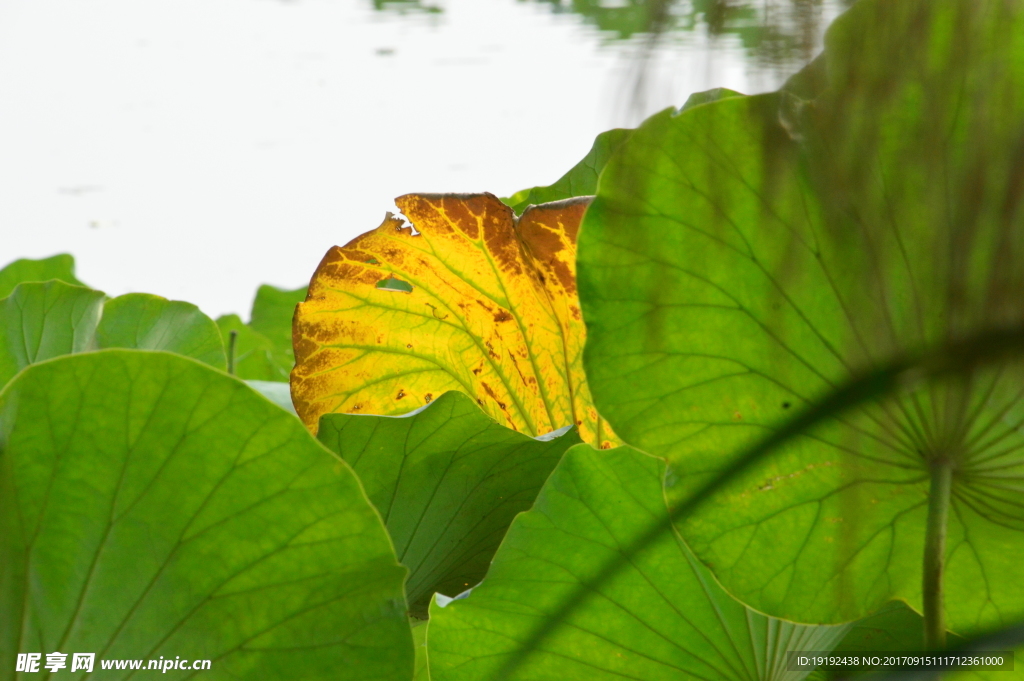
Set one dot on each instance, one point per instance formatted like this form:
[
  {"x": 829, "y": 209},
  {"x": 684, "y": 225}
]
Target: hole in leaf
[
  {"x": 785, "y": 405},
  {"x": 392, "y": 284},
  {"x": 373, "y": 261},
  {"x": 406, "y": 222}
]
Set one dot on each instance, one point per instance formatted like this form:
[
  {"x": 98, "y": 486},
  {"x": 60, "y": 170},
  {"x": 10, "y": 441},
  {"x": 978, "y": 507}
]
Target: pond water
[{"x": 198, "y": 148}]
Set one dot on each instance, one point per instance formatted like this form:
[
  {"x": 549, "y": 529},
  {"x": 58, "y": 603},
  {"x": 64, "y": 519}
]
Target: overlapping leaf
[
  {"x": 151, "y": 506},
  {"x": 663, "y": 617},
  {"x": 272, "y": 312},
  {"x": 745, "y": 257},
  {"x": 253, "y": 353},
  {"x": 44, "y": 320},
  {"x": 473, "y": 300},
  {"x": 581, "y": 179},
  {"x": 448, "y": 481},
  {"x": 60, "y": 267},
  {"x": 41, "y": 320},
  {"x": 147, "y": 322},
  {"x": 894, "y": 628},
  {"x": 263, "y": 347}
]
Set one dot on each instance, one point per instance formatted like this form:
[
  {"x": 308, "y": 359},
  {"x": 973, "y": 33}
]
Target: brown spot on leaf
[
  {"x": 488, "y": 390},
  {"x": 549, "y": 233},
  {"x": 471, "y": 256}
]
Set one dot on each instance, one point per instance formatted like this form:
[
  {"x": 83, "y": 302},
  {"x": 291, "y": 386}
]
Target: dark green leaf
[
  {"x": 151, "y": 506},
  {"x": 894, "y": 628},
  {"x": 748, "y": 256},
  {"x": 955, "y": 359},
  {"x": 448, "y": 480},
  {"x": 662, "y": 617}
]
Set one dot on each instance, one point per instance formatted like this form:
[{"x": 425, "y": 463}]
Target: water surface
[{"x": 198, "y": 148}]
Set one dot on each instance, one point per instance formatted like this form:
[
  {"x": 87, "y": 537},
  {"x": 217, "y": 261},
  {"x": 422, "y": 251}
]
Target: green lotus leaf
[
  {"x": 708, "y": 96},
  {"x": 151, "y": 506},
  {"x": 254, "y": 354},
  {"x": 745, "y": 257},
  {"x": 581, "y": 180},
  {"x": 894, "y": 628},
  {"x": 61, "y": 267},
  {"x": 448, "y": 481},
  {"x": 147, "y": 322},
  {"x": 40, "y": 320},
  {"x": 277, "y": 392},
  {"x": 663, "y": 617},
  {"x": 271, "y": 315},
  {"x": 419, "y": 637}
]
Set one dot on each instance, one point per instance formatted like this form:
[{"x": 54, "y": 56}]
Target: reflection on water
[
  {"x": 774, "y": 32},
  {"x": 237, "y": 140},
  {"x": 407, "y": 6}
]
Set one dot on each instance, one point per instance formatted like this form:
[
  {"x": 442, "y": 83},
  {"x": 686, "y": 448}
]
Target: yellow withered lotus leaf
[{"x": 468, "y": 298}]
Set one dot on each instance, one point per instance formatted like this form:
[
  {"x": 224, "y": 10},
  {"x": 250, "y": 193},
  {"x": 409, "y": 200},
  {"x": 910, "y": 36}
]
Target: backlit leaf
[
  {"x": 747, "y": 256},
  {"x": 448, "y": 480},
  {"x": 254, "y": 354},
  {"x": 419, "y": 637},
  {"x": 263, "y": 347},
  {"x": 663, "y": 617},
  {"x": 894, "y": 628},
  {"x": 147, "y": 322},
  {"x": 474, "y": 301},
  {"x": 151, "y": 507},
  {"x": 41, "y": 320},
  {"x": 581, "y": 180},
  {"x": 277, "y": 392},
  {"x": 61, "y": 267},
  {"x": 271, "y": 315}
]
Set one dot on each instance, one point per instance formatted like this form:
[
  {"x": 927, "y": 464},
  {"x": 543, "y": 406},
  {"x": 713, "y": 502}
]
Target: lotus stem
[
  {"x": 935, "y": 554},
  {"x": 231, "y": 351}
]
